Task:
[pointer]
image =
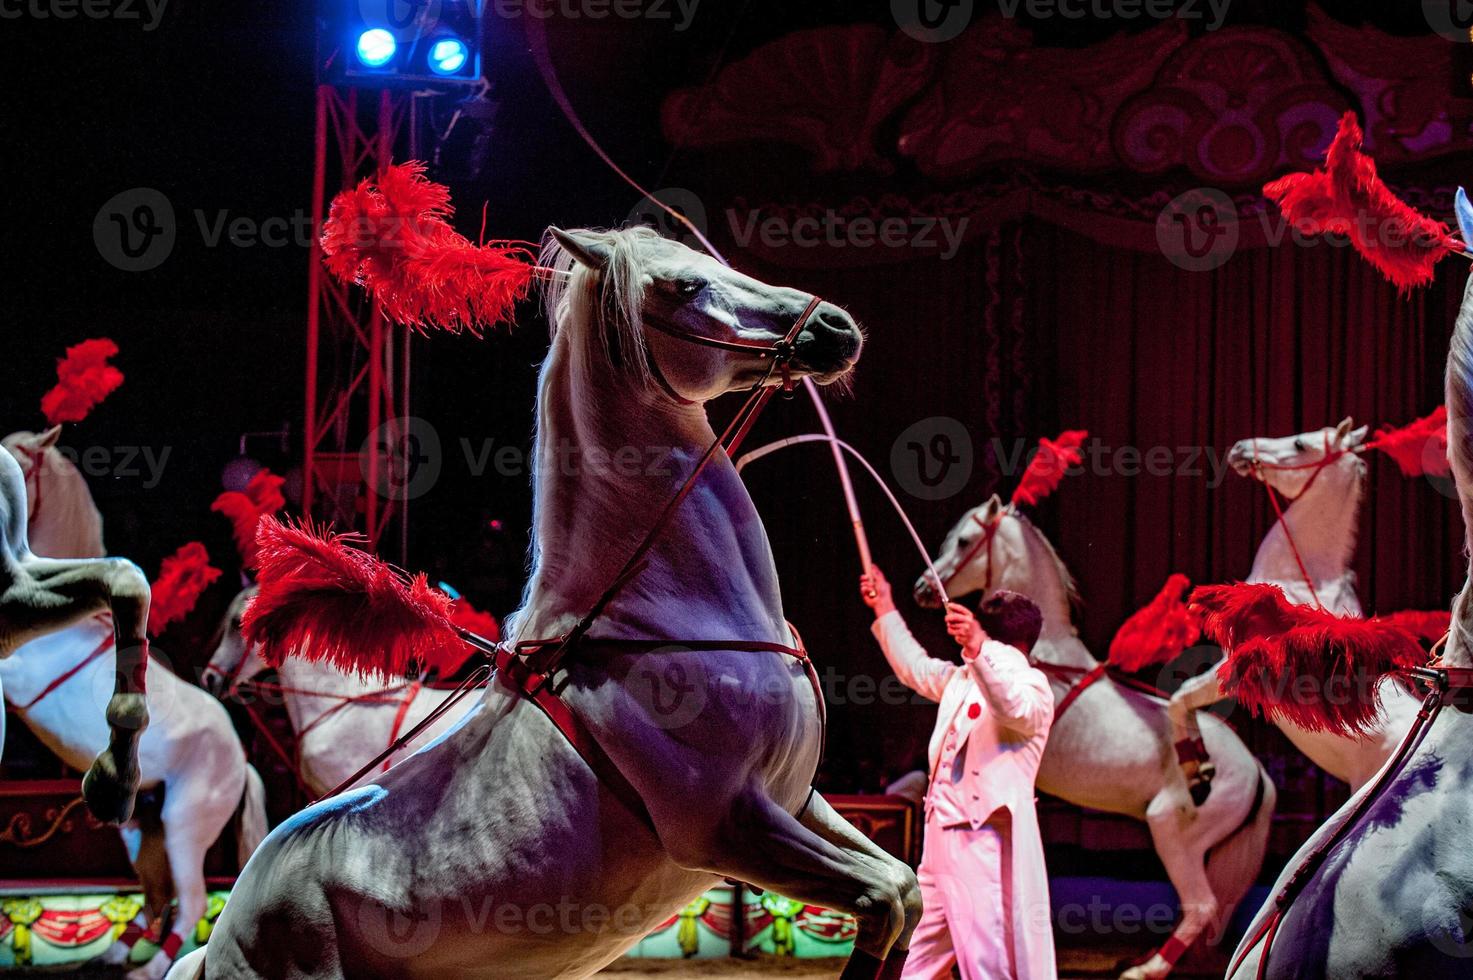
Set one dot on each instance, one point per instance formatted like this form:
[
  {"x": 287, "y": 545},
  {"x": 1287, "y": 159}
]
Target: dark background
[{"x": 214, "y": 109}]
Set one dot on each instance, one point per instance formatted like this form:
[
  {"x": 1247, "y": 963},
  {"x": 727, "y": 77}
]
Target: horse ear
[
  {"x": 1343, "y": 429},
  {"x": 585, "y": 249},
  {"x": 1356, "y": 437},
  {"x": 48, "y": 438},
  {"x": 993, "y": 507}
]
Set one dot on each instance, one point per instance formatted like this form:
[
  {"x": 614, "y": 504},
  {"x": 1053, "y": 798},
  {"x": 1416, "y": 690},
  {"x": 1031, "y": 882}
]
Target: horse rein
[{"x": 1330, "y": 457}]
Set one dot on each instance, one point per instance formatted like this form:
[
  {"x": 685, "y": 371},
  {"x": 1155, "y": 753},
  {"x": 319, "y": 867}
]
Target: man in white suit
[{"x": 982, "y": 868}]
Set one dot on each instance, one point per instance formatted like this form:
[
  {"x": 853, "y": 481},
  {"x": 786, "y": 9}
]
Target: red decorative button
[{"x": 973, "y": 710}]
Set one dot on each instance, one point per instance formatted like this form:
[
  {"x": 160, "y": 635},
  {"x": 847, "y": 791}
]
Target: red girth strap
[
  {"x": 102, "y": 648},
  {"x": 1080, "y": 686}
]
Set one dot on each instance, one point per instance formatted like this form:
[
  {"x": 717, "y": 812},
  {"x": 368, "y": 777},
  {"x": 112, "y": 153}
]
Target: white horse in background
[
  {"x": 1323, "y": 475},
  {"x": 342, "y": 719},
  {"x": 190, "y": 750},
  {"x": 1383, "y": 889},
  {"x": 477, "y": 838},
  {"x": 1110, "y": 749}
]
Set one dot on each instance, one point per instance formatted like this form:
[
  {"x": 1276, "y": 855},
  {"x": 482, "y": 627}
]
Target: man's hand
[
  {"x": 874, "y": 589},
  {"x": 965, "y": 629}
]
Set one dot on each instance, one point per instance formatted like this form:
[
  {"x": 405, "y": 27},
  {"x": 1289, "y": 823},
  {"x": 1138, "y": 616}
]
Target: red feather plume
[
  {"x": 261, "y": 497},
  {"x": 1349, "y": 198},
  {"x": 323, "y": 599},
  {"x": 1304, "y": 665},
  {"x": 83, "y": 379},
  {"x": 1048, "y": 465},
  {"x": 1428, "y": 625},
  {"x": 183, "y": 578},
  {"x": 393, "y": 236},
  {"x": 1159, "y": 631},
  {"x": 1419, "y": 449}
]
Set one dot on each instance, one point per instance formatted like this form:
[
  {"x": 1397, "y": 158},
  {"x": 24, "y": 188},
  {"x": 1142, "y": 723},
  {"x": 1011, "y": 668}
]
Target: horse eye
[
  {"x": 689, "y": 287},
  {"x": 1299, "y": 445}
]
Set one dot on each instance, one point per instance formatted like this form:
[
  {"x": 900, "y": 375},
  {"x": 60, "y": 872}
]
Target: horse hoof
[
  {"x": 108, "y": 793},
  {"x": 1200, "y": 792}
]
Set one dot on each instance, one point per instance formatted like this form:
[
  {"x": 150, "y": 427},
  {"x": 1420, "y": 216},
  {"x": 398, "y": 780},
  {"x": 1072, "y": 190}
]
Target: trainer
[{"x": 982, "y": 869}]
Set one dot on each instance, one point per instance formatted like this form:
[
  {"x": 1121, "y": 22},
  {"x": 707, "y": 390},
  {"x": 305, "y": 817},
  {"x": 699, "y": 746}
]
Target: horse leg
[
  {"x": 117, "y": 954},
  {"x": 822, "y": 860},
  {"x": 1196, "y": 694},
  {"x": 1186, "y": 867},
  {"x": 187, "y": 835}
]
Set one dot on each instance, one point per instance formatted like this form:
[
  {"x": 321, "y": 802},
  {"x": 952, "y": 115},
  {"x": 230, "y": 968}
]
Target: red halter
[
  {"x": 1318, "y": 466},
  {"x": 984, "y": 540}
]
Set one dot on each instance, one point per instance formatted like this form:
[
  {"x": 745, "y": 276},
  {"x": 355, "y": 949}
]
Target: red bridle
[
  {"x": 984, "y": 541},
  {"x": 1330, "y": 457},
  {"x": 37, "y": 459}
]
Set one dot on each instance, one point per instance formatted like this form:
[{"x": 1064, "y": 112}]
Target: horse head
[
  {"x": 64, "y": 520},
  {"x": 1290, "y": 464},
  {"x": 233, "y": 662},
  {"x": 994, "y": 546},
  {"x": 678, "y": 320}
]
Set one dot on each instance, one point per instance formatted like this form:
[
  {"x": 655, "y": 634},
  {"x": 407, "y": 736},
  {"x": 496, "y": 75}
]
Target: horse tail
[
  {"x": 250, "y": 819},
  {"x": 1460, "y": 407},
  {"x": 1234, "y": 862}
]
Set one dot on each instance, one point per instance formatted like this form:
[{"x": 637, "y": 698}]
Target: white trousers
[{"x": 966, "y": 877}]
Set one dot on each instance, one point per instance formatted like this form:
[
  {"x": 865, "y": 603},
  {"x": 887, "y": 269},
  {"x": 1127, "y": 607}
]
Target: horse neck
[
  {"x": 1322, "y": 522},
  {"x": 65, "y": 522},
  {"x": 1040, "y": 577},
  {"x": 311, "y": 688},
  {"x": 709, "y": 574}
]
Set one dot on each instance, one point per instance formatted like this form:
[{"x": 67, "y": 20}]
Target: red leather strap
[
  {"x": 170, "y": 946},
  {"x": 399, "y": 716},
  {"x": 1080, "y": 686},
  {"x": 102, "y": 648}
]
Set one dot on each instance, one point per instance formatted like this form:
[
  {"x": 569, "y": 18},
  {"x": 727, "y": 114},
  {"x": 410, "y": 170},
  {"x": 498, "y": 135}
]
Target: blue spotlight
[
  {"x": 376, "y": 47},
  {"x": 448, "y": 55}
]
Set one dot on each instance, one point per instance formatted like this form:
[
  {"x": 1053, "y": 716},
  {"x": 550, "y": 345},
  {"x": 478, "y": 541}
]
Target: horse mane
[
  {"x": 601, "y": 310},
  {"x": 1071, "y": 586},
  {"x": 69, "y": 524}
]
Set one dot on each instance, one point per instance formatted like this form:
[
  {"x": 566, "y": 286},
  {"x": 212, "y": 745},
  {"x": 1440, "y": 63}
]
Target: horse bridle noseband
[
  {"x": 984, "y": 540},
  {"x": 782, "y": 351}
]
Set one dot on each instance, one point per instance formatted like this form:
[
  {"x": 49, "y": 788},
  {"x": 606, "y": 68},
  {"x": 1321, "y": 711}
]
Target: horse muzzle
[
  {"x": 829, "y": 345},
  {"x": 925, "y": 593}
]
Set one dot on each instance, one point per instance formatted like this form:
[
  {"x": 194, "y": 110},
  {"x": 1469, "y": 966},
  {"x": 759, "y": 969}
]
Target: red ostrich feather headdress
[
  {"x": 1310, "y": 667},
  {"x": 261, "y": 497},
  {"x": 392, "y": 235},
  {"x": 1159, "y": 631},
  {"x": 1419, "y": 449},
  {"x": 83, "y": 379},
  {"x": 322, "y": 598},
  {"x": 1347, "y": 197},
  {"x": 1048, "y": 466},
  {"x": 183, "y": 578}
]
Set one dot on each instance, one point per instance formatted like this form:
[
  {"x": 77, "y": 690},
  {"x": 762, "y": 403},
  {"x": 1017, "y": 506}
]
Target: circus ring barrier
[{"x": 67, "y": 891}]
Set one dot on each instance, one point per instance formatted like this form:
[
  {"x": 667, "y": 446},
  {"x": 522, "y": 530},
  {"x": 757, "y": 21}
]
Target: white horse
[
  {"x": 1110, "y": 749},
  {"x": 1323, "y": 475},
  {"x": 1383, "y": 889},
  {"x": 504, "y": 853},
  {"x": 39, "y": 596},
  {"x": 189, "y": 751},
  {"x": 341, "y": 719}
]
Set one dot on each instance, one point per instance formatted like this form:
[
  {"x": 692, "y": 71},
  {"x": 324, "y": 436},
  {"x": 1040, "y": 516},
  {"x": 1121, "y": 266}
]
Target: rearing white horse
[
  {"x": 190, "y": 750},
  {"x": 1324, "y": 477},
  {"x": 341, "y": 719},
  {"x": 505, "y": 851},
  {"x": 1109, "y": 748}
]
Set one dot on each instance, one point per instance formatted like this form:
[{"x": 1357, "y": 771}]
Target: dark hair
[{"x": 1011, "y": 618}]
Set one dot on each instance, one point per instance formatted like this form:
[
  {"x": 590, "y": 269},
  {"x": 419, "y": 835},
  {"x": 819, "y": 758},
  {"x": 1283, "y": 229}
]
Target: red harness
[
  {"x": 1318, "y": 466},
  {"x": 102, "y": 648}
]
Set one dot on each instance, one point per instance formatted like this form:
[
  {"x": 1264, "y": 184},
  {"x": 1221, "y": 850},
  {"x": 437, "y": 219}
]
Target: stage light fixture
[
  {"x": 448, "y": 55},
  {"x": 376, "y": 47}
]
